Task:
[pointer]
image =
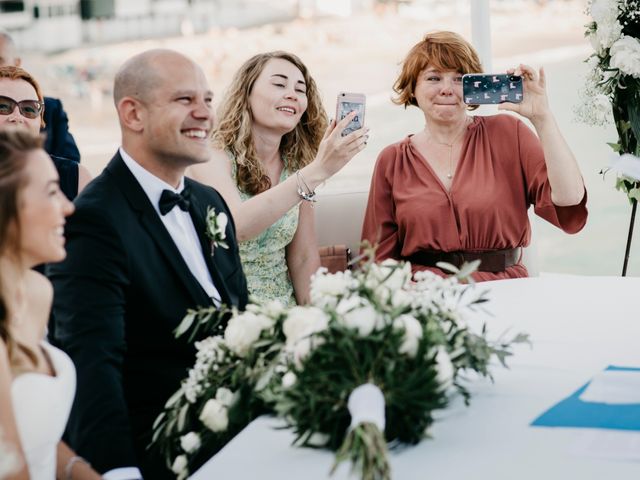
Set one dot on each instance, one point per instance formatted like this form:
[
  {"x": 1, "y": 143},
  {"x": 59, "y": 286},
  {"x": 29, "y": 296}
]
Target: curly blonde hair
[{"x": 233, "y": 132}]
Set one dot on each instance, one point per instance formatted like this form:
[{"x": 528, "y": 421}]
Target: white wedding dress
[{"x": 42, "y": 404}]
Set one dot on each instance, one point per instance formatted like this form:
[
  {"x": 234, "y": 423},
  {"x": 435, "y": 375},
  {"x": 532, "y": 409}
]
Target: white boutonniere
[{"x": 216, "y": 228}]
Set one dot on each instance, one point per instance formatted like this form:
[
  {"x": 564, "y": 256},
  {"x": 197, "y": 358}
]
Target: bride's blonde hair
[{"x": 233, "y": 132}]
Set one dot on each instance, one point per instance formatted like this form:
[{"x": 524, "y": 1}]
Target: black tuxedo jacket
[{"x": 119, "y": 294}]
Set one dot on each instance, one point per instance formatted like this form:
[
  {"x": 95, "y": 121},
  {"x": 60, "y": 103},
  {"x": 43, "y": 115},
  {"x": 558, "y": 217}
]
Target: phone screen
[
  {"x": 491, "y": 89},
  {"x": 344, "y": 107}
]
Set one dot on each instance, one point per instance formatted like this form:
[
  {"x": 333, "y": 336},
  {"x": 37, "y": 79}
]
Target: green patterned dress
[{"x": 263, "y": 257}]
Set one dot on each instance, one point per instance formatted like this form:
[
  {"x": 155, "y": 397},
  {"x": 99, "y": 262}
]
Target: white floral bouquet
[
  {"x": 365, "y": 364},
  {"x": 613, "y": 83}
]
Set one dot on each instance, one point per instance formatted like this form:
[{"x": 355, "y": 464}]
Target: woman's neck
[
  {"x": 445, "y": 133},
  {"x": 12, "y": 281},
  {"x": 267, "y": 146}
]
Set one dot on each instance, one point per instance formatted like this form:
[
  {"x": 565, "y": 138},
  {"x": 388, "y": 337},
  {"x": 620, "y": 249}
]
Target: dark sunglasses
[{"x": 28, "y": 108}]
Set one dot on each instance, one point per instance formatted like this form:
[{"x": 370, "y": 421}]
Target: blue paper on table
[{"x": 573, "y": 412}]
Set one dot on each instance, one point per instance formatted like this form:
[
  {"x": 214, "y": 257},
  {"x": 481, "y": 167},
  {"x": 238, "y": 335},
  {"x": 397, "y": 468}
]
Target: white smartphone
[{"x": 349, "y": 102}]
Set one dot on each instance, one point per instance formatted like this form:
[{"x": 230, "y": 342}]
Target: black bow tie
[{"x": 170, "y": 199}]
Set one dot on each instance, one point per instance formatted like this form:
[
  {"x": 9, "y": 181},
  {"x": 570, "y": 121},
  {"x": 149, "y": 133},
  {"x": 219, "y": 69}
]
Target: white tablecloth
[{"x": 578, "y": 326}]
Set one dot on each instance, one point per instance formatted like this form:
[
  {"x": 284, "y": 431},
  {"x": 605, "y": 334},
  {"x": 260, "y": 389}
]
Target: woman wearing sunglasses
[{"x": 21, "y": 104}]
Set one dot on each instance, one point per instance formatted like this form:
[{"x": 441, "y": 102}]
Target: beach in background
[{"x": 362, "y": 53}]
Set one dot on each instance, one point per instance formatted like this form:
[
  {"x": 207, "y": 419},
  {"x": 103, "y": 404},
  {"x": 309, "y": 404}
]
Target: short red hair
[
  {"x": 17, "y": 73},
  {"x": 441, "y": 50}
]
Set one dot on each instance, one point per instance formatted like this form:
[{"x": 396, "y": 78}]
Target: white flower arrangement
[
  {"x": 612, "y": 86},
  {"x": 406, "y": 340},
  {"x": 216, "y": 228}
]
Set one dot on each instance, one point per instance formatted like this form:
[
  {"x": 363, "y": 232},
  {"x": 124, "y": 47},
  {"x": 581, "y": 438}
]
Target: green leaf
[
  {"x": 159, "y": 420},
  {"x": 447, "y": 267},
  {"x": 182, "y": 417},
  {"x": 174, "y": 398},
  {"x": 185, "y": 324},
  {"x": 522, "y": 338},
  {"x": 468, "y": 268},
  {"x": 634, "y": 193},
  {"x": 633, "y": 108},
  {"x": 616, "y": 147},
  {"x": 264, "y": 379}
]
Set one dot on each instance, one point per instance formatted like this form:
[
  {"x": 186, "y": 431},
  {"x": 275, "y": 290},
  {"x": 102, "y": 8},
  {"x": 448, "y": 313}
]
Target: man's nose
[{"x": 203, "y": 109}]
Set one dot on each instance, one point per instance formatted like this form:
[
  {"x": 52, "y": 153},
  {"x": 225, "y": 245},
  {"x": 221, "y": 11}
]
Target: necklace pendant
[{"x": 449, "y": 176}]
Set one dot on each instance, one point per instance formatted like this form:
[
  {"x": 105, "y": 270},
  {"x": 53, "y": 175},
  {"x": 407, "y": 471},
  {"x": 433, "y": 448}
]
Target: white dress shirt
[
  {"x": 180, "y": 226},
  {"x": 178, "y": 223}
]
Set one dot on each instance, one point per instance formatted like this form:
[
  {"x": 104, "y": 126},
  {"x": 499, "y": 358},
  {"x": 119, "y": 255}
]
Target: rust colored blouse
[{"x": 501, "y": 172}]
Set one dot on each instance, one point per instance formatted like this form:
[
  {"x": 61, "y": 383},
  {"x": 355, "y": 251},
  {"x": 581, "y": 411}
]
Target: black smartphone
[
  {"x": 349, "y": 102},
  {"x": 481, "y": 89}
]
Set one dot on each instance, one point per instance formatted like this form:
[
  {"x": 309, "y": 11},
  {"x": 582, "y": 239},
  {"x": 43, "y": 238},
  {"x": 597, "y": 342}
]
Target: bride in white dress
[{"x": 37, "y": 381}]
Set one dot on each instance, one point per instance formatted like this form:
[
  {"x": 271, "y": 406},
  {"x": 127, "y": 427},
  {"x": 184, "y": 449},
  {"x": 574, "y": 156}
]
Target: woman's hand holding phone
[
  {"x": 335, "y": 151},
  {"x": 535, "y": 103}
]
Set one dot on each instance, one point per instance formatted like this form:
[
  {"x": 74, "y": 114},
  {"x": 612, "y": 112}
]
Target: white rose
[
  {"x": 401, "y": 298},
  {"x": 222, "y": 224},
  {"x": 326, "y": 287},
  {"x": 603, "y": 11},
  {"x": 190, "y": 442},
  {"x": 382, "y": 293},
  {"x": 180, "y": 465},
  {"x": 594, "y": 40},
  {"x": 358, "y": 314},
  {"x": 274, "y": 308},
  {"x": 289, "y": 379},
  {"x": 412, "y": 334},
  {"x": 445, "y": 367},
  {"x": 244, "y": 330},
  {"x": 214, "y": 416},
  {"x": 625, "y": 55},
  {"x": 302, "y": 348},
  {"x": 225, "y": 396},
  {"x": 608, "y": 29},
  {"x": 608, "y": 33},
  {"x": 390, "y": 274},
  {"x": 302, "y": 322}
]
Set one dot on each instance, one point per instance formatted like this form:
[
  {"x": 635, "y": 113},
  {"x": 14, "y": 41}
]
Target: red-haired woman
[{"x": 459, "y": 189}]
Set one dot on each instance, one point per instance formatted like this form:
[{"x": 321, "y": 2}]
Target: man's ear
[{"x": 132, "y": 114}]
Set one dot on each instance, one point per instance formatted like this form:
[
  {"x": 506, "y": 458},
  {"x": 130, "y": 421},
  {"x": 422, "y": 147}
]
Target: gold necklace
[{"x": 450, "y": 145}]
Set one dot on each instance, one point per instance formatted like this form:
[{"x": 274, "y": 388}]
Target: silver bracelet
[
  {"x": 303, "y": 189},
  {"x": 69, "y": 467}
]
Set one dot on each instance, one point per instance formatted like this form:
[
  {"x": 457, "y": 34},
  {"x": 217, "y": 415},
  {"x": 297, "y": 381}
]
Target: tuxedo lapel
[
  {"x": 197, "y": 212},
  {"x": 151, "y": 222}
]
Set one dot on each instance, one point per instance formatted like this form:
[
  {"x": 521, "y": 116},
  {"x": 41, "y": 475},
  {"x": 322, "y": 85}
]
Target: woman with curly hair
[{"x": 273, "y": 147}]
